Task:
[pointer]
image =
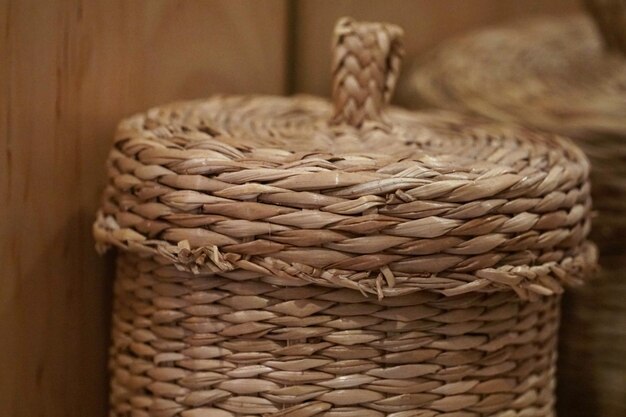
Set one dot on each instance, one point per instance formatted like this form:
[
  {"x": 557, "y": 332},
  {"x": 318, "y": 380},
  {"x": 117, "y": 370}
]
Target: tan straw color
[
  {"x": 287, "y": 257},
  {"x": 564, "y": 75}
]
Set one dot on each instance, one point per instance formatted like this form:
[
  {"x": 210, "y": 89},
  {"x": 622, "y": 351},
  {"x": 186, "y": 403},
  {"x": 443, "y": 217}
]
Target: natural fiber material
[
  {"x": 561, "y": 75},
  {"x": 282, "y": 257},
  {"x": 437, "y": 203},
  {"x": 363, "y": 82}
]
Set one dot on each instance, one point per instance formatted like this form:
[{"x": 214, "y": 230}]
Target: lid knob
[{"x": 365, "y": 69}]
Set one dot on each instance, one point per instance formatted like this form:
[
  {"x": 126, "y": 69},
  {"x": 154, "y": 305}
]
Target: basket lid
[
  {"x": 563, "y": 74},
  {"x": 351, "y": 194}
]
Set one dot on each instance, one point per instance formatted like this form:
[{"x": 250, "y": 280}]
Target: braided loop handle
[
  {"x": 610, "y": 18},
  {"x": 366, "y": 64}
]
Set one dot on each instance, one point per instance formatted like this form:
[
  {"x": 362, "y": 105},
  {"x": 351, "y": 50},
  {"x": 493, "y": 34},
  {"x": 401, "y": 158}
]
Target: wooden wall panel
[
  {"x": 426, "y": 22},
  {"x": 69, "y": 70}
]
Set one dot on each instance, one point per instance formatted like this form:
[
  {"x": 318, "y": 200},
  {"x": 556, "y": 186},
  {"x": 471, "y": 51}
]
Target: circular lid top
[
  {"x": 352, "y": 194},
  {"x": 558, "y": 74}
]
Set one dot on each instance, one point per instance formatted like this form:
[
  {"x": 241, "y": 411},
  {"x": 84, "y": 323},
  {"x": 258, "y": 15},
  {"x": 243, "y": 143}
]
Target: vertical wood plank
[
  {"x": 69, "y": 70},
  {"x": 426, "y": 22}
]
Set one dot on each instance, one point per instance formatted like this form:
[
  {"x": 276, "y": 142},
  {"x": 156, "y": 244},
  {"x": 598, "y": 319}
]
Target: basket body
[{"x": 231, "y": 345}]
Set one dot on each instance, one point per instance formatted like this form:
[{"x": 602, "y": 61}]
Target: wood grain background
[{"x": 69, "y": 70}]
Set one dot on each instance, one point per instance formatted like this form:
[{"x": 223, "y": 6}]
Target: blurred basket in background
[{"x": 564, "y": 75}]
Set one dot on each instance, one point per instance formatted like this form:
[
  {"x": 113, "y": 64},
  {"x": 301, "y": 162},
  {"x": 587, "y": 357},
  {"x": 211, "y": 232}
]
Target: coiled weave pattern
[
  {"x": 441, "y": 209},
  {"x": 282, "y": 257}
]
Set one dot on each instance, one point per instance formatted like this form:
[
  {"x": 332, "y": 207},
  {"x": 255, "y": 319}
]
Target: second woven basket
[
  {"x": 292, "y": 257},
  {"x": 564, "y": 75}
]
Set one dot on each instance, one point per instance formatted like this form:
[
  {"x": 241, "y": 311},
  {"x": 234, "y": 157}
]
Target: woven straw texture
[
  {"x": 561, "y": 75},
  {"x": 289, "y": 257}
]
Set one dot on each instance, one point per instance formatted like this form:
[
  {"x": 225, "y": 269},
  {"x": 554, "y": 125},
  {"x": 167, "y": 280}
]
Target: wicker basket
[
  {"x": 560, "y": 75},
  {"x": 289, "y": 257}
]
